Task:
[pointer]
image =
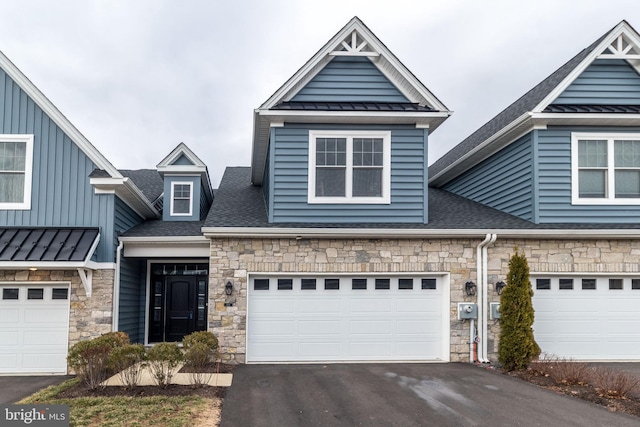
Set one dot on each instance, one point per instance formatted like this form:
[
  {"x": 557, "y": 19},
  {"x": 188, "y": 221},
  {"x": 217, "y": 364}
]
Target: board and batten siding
[
  {"x": 554, "y": 182},
  {"x": 132, "y": 298},
  {"x": 604, "y": 82},
  {"x": 503, "y": 181},
  {"x": 350, "y": 79},
  {"x": 61, "y": 194},
  {"x": 290, "y": 179}
]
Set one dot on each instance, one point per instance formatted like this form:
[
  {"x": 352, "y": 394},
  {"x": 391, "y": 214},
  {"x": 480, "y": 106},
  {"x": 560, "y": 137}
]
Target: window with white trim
[
  {"x": 16, "y": 159},
  {"x": 605, "y": 168},
  {"x": 181, "y": 198},
  {"x": 349, "y": 167}
]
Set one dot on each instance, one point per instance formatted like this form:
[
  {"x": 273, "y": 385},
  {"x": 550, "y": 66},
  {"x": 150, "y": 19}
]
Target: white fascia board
[
  {"x": 590, "y": 119},
  {"x": 346, "y": 233},
  {"x": 52, "y": 111},
  {"x": 182, "y": 170},
  {"x": 410, "y": 116},
  {"x": 520, "y": 126},
  {"x": 158, "y": 246},
  {"x": 128, "y": 192},
  {"x": 621, "y": 28},
  {"x": 55, "y": 265},
  {"x": 180, "y": 150}
]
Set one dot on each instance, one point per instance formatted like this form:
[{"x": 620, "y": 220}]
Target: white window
[
  {"x": 605, "y": 168},
  {"x": 349, "y": 167},
  {"x": 16, "y": 159},
  {"x": 181, "y": 197}
]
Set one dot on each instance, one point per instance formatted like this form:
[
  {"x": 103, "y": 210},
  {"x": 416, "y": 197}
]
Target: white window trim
[
  {"x": 386, "y": 167},
  {"x": 173, "y": 185},
  {"x": 28, "y": 171},
  {"x": 610, "y": 199}
]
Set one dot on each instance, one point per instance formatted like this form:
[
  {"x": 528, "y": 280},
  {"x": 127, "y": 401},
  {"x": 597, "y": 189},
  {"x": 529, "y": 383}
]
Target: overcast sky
[{"x": 138, "y": 77}]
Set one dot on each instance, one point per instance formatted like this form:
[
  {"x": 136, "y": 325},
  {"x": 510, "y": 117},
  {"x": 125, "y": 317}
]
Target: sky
[{"x": 139, "y": 77}]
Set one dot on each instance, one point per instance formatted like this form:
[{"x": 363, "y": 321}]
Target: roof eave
[{"x": 408, "y": 233}]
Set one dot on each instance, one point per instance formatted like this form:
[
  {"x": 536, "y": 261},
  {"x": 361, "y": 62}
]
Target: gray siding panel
[
  {"x": 555, "y": 183},
  {"x": 604, "y": 82},
  {"x": 290, "y": 179},
  {"x": 353, "y": 79},
  {"x": 132, "y": 286},
  {"x": 503, "y": 181},
  {"x": 61, "y": 194}
]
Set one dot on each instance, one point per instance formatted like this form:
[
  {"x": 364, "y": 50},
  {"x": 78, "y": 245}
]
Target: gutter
[{"x": 480, "y": 275}]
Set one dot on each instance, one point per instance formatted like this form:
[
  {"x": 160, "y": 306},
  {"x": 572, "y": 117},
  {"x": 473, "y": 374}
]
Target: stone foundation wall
[
  {"x": 233, "y": 259},
  {"x": 88, "y": 317},
  {"x": 549, "y": 257}
]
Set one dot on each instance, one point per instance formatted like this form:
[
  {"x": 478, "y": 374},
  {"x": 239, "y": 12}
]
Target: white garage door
[
  {"x": 34, "y": 328},
  {"x": 588, "y": 318},
  {"x": 347, "y": 319}
]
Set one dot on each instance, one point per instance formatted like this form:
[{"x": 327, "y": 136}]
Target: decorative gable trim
[
  {"x": 59, "y": 119},
  {"x": 168, "y": 164},
  {"x": 357, "y": 40},
  {"x": 622, "y": 42}
]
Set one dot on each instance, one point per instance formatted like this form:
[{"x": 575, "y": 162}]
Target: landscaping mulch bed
[
  {"x": 82, "y": 390},
  {"x": 586, "y": 392}
]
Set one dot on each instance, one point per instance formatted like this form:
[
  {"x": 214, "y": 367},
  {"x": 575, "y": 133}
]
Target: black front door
[{"x": 177, "y": 303}]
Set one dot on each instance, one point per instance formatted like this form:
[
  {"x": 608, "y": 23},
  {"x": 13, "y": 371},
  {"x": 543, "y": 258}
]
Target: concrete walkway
[{"x": 146, "y": 378}]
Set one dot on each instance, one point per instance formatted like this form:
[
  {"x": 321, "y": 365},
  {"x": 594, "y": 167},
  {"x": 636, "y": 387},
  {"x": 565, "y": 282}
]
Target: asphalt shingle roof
[
  {"x": 160, "y": 228},
  {"x": 352, "y": 106},
  {"x": 524, "y": 104},
  {"x": 148, "y": 181}
]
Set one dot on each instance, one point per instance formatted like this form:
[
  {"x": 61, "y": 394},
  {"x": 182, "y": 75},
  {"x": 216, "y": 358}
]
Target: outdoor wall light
[
  {"x": 470, "y": 288},
  {"x": 500, "y": 286},
  {"x": 228, "y": 288}
]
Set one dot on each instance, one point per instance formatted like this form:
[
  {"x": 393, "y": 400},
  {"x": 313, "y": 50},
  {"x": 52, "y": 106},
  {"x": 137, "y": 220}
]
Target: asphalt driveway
[
  {"x": 14, "y": 388},
  {"x": 399, "y": 395}
]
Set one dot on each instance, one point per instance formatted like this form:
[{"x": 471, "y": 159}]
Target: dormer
[{"x": 187, "y": 188}]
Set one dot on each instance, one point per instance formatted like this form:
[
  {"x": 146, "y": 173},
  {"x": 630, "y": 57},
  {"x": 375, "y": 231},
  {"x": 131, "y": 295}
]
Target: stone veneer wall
[
  {"x": 88, "y": 317},
  {"x": 549, "y": 257},
  {"x": 232, "y": 259}
]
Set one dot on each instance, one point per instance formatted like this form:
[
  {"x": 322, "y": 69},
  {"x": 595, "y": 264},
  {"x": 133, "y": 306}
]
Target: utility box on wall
[
  {"x": 495, "y": 310},
  {"x": 467, "y": 310}
]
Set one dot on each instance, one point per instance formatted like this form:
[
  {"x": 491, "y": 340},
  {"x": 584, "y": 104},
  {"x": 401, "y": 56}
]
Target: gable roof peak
[{"x": 180, "y": 151}]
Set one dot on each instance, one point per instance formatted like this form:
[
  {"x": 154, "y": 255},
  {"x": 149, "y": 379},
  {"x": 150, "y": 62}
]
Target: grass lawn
[{"x": 191, "y": 410}]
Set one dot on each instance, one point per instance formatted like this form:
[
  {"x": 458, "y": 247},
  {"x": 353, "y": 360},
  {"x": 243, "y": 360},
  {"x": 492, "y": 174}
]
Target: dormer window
[
  {"x": 181, "y": 198},
  {"x": 349, "y": 167}
]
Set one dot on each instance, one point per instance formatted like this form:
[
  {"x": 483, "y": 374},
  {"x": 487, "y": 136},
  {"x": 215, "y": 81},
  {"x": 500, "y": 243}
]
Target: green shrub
[
  {"x": 127, "y": 361},
  {"x": 163, "y": 358},
  {"x": 202, "y": 337},
  {"x": 518, "y": 346},
  {"x": 90, "y": 358}
]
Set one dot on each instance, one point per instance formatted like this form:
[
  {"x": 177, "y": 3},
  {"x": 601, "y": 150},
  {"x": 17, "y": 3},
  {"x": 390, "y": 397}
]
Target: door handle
[{"x": 191, "y": 315}]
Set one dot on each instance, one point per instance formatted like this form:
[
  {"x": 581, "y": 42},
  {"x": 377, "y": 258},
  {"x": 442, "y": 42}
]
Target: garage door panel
[
  {"x": 52, "y": 338},
  {"x": 320, "y": 305},
  {"x": 371, "y": 304},
  {"x": 33, "y": 332},
  {"x": 274, "y": 328},
  {"x": 358, "y": 327},
  {"x": 319, "y": 327},
  {"x": 585, "y": 324},
  {"x": 8, "y": 338},
  {"x": 275, "y": 306},
  {"x": 346, "y": 324},
  {"x": 9, "y": 316}
]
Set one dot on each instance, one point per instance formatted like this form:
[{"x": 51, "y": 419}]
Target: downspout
[
  {"x": 480, "y": 295},
  {"x": 115, "y": 312},
  {"x": 485, "y": 291}
]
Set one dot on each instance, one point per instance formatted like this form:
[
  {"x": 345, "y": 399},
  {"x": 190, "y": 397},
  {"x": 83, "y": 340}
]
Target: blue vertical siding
[
  {"x": 195, "y": 200},
  {"x": 61, "y": 194},
  {"x": 132, "y": 294},
  {"x": 266, "y": 178},
  {"x": 554, "y": 198},
  {"x": 204, "y": 203},
  {"x": 290, "y": 179},
  {"x": 350, "y": 78},
  {"x": 124, "y": 219},
  {"x": 504, "y": 181},
  {"x": 604, "y": 82}
]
